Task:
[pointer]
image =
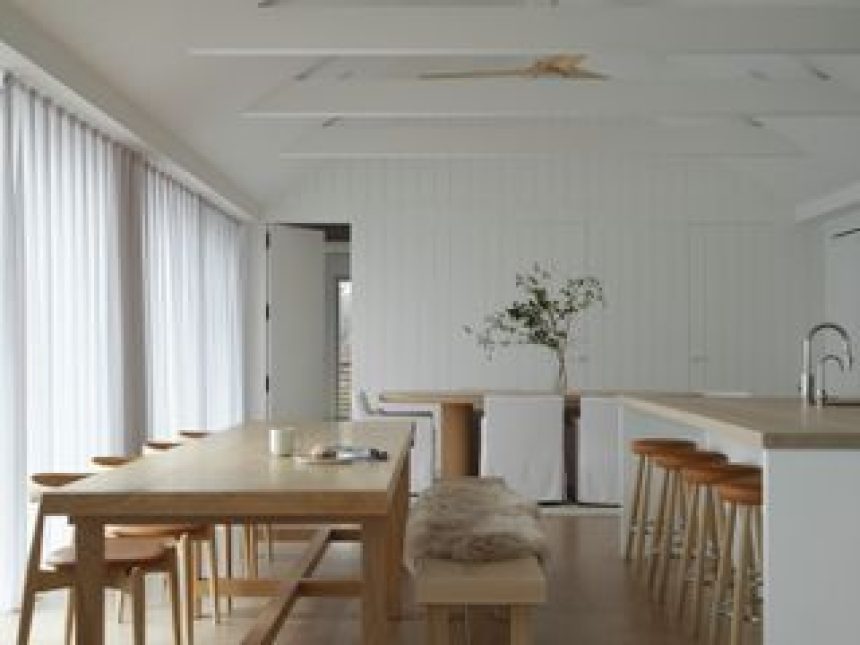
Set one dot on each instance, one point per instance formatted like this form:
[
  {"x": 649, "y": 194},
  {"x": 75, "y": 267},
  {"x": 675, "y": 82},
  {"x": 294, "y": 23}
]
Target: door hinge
[
  {"x": 267, "y": 383},
  {"x": 268, "y": 240},
  {"x": 268, "y": 311}
]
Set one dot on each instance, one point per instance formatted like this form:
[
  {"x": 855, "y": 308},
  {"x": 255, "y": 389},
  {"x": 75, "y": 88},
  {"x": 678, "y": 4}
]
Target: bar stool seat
[
  {"x": 701, "y": 542},
  {"x": 639, "y": 525},
  {"x": 672, "y": 512},
  {"x": 655, "y": 446},
  {"x": 739, "y": 567},
  {"x": 710, "y": 474}
]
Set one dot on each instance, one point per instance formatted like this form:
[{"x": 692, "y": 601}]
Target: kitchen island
[{"x": 811, "y": 461}]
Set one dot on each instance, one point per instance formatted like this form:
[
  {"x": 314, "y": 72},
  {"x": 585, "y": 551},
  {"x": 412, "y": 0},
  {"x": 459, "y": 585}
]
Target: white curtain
[
  {"x": 193, "y": 268},
  {"x": 120, "y": 306},
  {"x": 62, "y": 360}
]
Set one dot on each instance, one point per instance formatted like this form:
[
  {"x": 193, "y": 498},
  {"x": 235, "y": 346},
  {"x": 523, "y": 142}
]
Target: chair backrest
[
  {"x": 39, "y": 483},
  {"x": 523, "y": 442},
  {"x": 152, "y": 447},
  {"x": 109, "y": 463}
]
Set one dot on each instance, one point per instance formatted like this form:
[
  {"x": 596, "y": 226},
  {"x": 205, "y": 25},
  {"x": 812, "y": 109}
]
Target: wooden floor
[{"x": 593, "y": 601}]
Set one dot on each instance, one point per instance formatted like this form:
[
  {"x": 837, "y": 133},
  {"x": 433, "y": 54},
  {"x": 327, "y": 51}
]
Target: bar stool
[
  {"x": 671, "y": 514},
  {"x": 702, "y": 531},
  {"x": 638, "y": 525},
  {"x": 743, "y": 498}
]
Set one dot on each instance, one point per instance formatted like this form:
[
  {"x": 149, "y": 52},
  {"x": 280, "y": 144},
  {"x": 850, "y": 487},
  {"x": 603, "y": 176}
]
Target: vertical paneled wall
[{"x": 708, "y": 280}]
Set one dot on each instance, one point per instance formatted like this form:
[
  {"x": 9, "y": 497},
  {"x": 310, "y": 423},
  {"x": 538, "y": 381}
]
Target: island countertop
[{"x": 766, "y": 422}]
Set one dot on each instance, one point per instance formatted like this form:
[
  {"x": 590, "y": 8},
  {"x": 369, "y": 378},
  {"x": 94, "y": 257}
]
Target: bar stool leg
[
  {"x": 691, "y": 503},
  {"x": 706, "y": 534},
  {"x": 636, "y": 497},
  {"x": 724, "y": 570},
  {"x": 742, "y": 578},
  {"x": 657, "y": 534},
  {"x": 642, "y": 519},
  {"x": 667, "y": 534}
]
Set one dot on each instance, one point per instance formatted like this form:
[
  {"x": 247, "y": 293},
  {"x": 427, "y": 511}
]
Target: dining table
[
  {"x": 458, "y": 409},
  {"x": 231, "y": 477}
]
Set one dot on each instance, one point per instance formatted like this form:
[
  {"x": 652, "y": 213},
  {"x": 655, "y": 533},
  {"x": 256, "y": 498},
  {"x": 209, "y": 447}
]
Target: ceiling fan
[{"x": 558, "y": 66}]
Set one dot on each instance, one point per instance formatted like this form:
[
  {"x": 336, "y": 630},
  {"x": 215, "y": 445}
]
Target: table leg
[
  {"x": 89, "y": 583},
  {"x": 397, "y": 529},
  {"x": 455, "y": 426},
  {"x": 375, "y": 578}
]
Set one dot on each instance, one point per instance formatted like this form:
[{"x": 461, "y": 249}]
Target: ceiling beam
[
  {"x": 476, "y": 141},
  {"x": 244, "y": 30},
  {"x": 553, "y": 98},
  {"x": 43, "y": 55}
]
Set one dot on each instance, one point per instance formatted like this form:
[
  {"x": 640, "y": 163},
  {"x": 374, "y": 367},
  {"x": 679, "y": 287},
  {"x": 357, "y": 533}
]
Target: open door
[{"x": 298, "y": 387}]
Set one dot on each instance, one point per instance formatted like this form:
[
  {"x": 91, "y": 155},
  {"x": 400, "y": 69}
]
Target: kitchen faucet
[
  {"x": 820, "y": 386},
  {"x": 808, "y": 390}
]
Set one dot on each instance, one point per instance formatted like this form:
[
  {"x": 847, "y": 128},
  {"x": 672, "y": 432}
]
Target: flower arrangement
[{"x": 544, "y": 316}]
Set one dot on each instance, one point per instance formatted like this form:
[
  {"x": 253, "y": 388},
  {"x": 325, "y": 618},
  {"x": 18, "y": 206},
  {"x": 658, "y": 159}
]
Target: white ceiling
[{"x": 142, "y": 49}]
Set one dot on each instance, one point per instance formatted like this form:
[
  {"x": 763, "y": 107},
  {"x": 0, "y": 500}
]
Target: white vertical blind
[
  {"x": 193, "y": 293},
  {"x": 121, "y": 307}
]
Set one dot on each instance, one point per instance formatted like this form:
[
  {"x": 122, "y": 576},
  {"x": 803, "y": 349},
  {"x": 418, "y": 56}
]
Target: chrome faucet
[
  {"x": 807, "y": 378},
  {"x": 820, "y": 386}
]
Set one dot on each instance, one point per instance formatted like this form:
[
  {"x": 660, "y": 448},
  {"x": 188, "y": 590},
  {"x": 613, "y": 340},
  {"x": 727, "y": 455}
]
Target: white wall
[
  {"x": 709, "y": 282},
  {"x": 842, "y": 295}
]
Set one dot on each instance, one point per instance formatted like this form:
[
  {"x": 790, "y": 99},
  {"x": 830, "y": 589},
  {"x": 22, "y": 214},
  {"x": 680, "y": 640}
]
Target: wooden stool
[
  {"x": 638, "y": 525},
  {"x": 743, "y": 498},
  {"x": 670, "y": 513},
  {"x": 702, "y": 532},
  {"x": 441, "y": 585}
]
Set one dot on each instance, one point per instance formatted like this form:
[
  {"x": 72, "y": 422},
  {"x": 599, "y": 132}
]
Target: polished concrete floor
[{"x": 593, "y": 601}]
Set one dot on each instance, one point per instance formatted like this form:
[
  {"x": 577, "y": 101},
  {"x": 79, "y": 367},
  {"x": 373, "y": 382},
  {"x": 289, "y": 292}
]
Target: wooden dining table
[
  {"x": 230, "y": 477},
  {"x": 459, "y": 447}
]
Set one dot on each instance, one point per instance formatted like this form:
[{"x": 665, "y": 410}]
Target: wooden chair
[
  {"x": 128, "y": 561},
  {"x": 188, "y": 539}
]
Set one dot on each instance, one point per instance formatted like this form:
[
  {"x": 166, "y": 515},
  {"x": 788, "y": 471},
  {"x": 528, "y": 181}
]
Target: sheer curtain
[
  {"x": 121, "y": 311},
  {"x": 193, "y": 274},
  {"x": 63, "y": 363}
]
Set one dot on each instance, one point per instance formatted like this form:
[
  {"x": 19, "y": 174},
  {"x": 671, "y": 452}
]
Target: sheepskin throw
[{"x": 473, "y": 520}]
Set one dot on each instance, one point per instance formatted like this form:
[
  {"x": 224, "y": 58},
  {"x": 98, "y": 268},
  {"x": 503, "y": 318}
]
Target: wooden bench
[{"x": 441, "y": 585}]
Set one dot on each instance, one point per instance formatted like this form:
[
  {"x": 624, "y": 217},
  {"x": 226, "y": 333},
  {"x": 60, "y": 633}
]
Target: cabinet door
[{"x": 746, "y": 307}]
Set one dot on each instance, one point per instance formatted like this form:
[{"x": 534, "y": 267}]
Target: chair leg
[
  {"x": 138, "y": 606},
  {"x": 521, "y": 625},
  {"x": 213, "y": 578},
  {"x": 438, "y": 625},
  {"x": 189, "y": 574},
  {"x": 270, "y": 541},
  {"x": 173, "y": 589},
  {"x": 70, "y": 618},
  {"x": 657, "y": 535},
  {"x": 198, "y": 576},
  {"x": 228, "y": 562},
  {"x": 250, "y": 550},
  {"x": 28, "y": 604}
]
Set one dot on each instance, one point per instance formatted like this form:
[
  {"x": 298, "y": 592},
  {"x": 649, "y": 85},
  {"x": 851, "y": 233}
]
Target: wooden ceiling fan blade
[
  {"x": 589, "y": 75},
  {"x": 476, "y": 73}
]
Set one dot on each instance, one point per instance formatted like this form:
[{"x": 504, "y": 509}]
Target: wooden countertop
[
  {"x": 459, "y": 397},
  {"x": 767, "y": 422}
]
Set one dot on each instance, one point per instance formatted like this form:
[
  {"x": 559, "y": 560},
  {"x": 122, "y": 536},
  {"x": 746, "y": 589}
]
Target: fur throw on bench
[{"x": 473, "y": 520}]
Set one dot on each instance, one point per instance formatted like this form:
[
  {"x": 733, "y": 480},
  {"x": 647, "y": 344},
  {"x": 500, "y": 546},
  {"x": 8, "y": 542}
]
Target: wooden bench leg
[
  {"x": 438, "y": 625},
  {"x": 521, "y": 625}
]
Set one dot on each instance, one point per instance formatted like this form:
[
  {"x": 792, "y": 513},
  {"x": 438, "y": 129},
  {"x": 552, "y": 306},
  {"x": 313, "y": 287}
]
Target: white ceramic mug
[{"x": 281, "y": 441}]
